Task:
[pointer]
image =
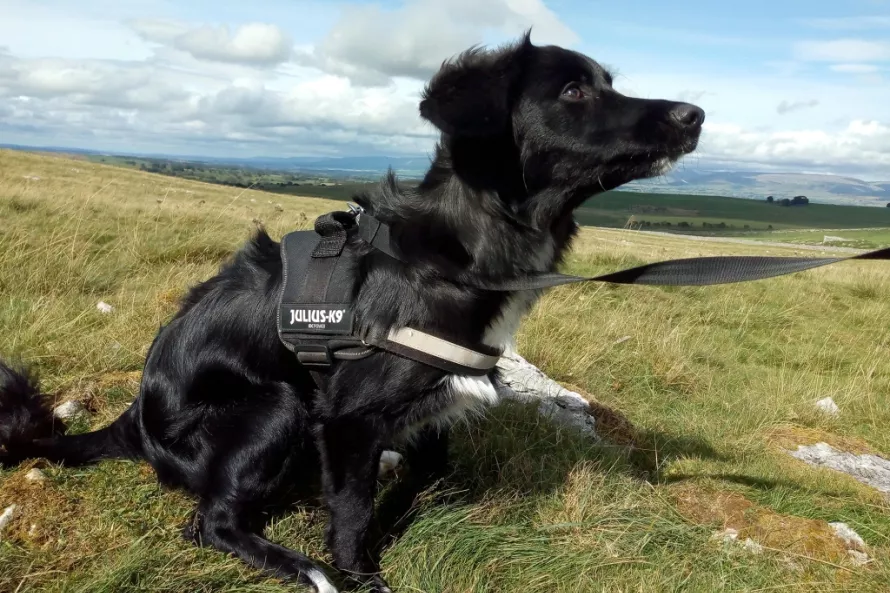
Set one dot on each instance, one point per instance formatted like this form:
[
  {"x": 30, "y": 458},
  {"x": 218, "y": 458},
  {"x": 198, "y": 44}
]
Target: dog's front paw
[
  {"x": 389, "y": 462},
  {"x": 377, "y": 584}
]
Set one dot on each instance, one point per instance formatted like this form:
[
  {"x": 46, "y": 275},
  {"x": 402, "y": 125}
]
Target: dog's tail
[{"x": 28, "y": 428}]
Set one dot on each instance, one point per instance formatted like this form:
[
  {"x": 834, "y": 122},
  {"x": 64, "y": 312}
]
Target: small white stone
[
  {"x": 389, "y": 461},
  {"x": 104, "y": 307},
  {"x": 858, "y": 558},
  {"x": 6, "y": 516},
  {"x": 828, "y": 406},
  {"x": 35, "y": 475},
  {"x": 69, "y": 410},
  {"x": 850, "y": 537},
  {"x": 33, "y": 530},
  {"x": 728, "y": 535}
]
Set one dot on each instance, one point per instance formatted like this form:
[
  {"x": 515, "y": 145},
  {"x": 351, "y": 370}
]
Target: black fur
[{"x": 225, "y": 411}]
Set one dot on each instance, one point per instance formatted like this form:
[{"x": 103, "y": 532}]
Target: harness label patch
[{"x": 327, "y": 318}]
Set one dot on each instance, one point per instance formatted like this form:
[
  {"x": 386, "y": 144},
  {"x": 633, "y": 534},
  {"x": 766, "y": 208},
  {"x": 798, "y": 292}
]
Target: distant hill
[
  {"x": 373, "y": 166},
  {"x": 759, "y": 184},
  {"x": 689, "y": 178}
]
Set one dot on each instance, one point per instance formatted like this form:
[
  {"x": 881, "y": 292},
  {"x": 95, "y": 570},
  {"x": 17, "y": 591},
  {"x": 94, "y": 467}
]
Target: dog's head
[{"x": 573, "y": 132}]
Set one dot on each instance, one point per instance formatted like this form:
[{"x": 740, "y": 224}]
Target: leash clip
[{"x": 355, "y": 209}]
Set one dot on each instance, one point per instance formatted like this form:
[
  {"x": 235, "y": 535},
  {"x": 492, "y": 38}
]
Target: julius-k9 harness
[{"x": 316, "y": 318}]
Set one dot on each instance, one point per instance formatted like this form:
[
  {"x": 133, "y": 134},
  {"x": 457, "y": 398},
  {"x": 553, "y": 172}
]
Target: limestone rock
[
  {"x": 6, "y": 516},
  {"x": 70, "y": 410},
  {"x": 850, "y": 537},
  {"x": 868, "y": 469},
  {"x": 828, "y": 406},
  {"x": 524, "y": 382}
]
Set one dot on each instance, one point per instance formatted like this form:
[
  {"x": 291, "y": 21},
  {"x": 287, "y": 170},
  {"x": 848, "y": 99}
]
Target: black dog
[{"x": 227, "y": 413}]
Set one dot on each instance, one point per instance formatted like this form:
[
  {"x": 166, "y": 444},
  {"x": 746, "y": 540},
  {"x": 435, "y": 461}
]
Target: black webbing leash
[{"x": 695, "y": 271}]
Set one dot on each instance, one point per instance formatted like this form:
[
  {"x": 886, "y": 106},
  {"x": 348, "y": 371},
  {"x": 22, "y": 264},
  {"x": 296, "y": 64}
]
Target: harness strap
[
  {"x": 439, "y": 353},
  {"x": 695, "y": 271}
]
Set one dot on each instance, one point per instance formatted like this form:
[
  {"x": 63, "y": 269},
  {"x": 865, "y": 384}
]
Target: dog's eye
[{"x": 573, "y": 92}]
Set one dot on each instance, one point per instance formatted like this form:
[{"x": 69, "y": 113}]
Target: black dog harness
[{"x": 316, "y": 318}]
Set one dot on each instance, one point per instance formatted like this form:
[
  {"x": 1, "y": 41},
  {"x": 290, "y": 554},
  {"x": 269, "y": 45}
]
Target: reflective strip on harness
[{"x": 442, "y": 349}]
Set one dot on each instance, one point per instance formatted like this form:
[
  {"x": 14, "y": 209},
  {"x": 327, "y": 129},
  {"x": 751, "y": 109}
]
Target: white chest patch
[
  {"x": 472, "y": 395},
  {"x": 501, "y": 331}
]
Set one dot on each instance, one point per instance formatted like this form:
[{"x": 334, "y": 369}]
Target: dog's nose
[{"x": 687, "y": 116}]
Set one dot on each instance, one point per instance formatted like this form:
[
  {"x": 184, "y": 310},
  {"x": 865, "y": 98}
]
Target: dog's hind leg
[
  {"x": 263, "y": 451},
  {"x": 233, "y": 528},
  {"x": 350, "y": 449}
]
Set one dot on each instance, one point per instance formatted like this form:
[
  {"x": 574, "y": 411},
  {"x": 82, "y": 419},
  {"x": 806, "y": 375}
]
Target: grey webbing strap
[
  {"x": 443, "y": 349},
  {"x": 437, "y": 352},
  {"x": 695, "y": 271}
]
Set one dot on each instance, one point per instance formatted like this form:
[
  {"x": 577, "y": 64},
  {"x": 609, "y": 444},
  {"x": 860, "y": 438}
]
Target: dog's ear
[{"x": 472, "y": 95}]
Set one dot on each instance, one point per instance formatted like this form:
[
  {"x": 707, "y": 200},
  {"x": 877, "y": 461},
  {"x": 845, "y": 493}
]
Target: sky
[{"x": 789, "y": 85}]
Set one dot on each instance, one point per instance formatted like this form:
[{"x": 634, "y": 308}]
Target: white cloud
[
  {"x": 690, "y": 96},
  {"x": 863, "y": 143},
  {"x": 370, "y": 44},
  {"x": 850, "y": 23},
  {"x": 843, "y": 50},
  {"x": 789, "y": 106},
  {"x": 254, "y": 44},
  {"x": 88, "y": 82},
  {"x": 152, "y": 103},
  {"x": 164, "y": 31},
  {"x": 854, "y": 68}
]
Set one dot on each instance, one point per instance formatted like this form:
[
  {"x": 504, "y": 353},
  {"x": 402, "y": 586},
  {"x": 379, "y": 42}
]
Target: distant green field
[
  {"x": 620, "y": 209},
  {"x": 342, "y": 191}
]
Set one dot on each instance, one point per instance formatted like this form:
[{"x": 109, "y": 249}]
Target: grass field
[{"x": 695, "y": 409}]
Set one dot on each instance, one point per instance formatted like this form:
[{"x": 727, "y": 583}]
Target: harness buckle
[{"x": 315, "y": 355}]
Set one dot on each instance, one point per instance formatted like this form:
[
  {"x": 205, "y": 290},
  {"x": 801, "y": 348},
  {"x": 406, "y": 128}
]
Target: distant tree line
[
  {"x": 684, "y": 225},
  {"x": 795, "y": 201},
  {"x": 231, "y": 176}
]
